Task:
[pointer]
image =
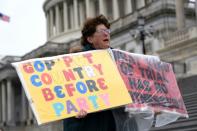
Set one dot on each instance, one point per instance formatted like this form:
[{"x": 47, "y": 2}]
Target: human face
[{"x": 101, "y": 38}]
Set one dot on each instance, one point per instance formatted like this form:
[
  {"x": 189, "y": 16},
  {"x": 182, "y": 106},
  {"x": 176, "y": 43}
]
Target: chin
[
  {"x": 108, "y": 45},
  {"x": 105, "y": 47}
]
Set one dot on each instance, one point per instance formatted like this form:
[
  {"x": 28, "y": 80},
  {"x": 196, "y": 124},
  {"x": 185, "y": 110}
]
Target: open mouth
[{"x": 106, "y": 40}]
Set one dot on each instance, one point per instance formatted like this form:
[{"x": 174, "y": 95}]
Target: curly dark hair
[{"x": 89, "y": 27}]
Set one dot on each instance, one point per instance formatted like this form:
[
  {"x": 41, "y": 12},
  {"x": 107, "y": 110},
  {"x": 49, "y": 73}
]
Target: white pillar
[
  {"x": 57, "y": 19},
  {"x": 196, "y": 10},
  {"x": 10, "y": 102},
  {"x": 4, "y": 105},
  {"x": 102, "y": 7},
  {"x": 115, "y": 9},
  {"x": 51, "y": 22},
  {"x": 140, "y": 3},
  {"x": 81, "y": 12},
  {"x": 24, "y": 107},
  {"x": 134, "y": 5},
  {"x": 65, "y": 13},
  {"x": 1, "y": 105},
  {"x": 71, "y": 18},
  {"x": 76, "y": 21},
  {"x": 180, "y": 15},
  {"x": 30, "y": 114},
  {"x": 48, "y": 24},
  {"x": 87, "y": 8},
  {"x": 92, "y": 8},
  {"x": 128, "y": 7}
]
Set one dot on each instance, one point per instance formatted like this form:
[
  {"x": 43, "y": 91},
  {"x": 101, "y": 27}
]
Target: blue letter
[
  {"x": 81, "y": 87},
  {"x": 58, "y": 107},
  {"x": 58, "y": 91},
  {"x": 39, "y": 66},
  {"x": 34, "y": 82},
  {"x": 93, "y": 100}
]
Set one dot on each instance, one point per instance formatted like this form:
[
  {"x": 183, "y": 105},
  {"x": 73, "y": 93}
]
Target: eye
[{"x": 104, "y": 31}]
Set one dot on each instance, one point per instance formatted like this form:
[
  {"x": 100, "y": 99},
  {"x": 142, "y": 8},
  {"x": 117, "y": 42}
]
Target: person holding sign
[{"x": 96, "y": 35}]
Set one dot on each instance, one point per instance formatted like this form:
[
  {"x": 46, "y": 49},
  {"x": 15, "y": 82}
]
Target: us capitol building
[{"x": 166, "y": 28}]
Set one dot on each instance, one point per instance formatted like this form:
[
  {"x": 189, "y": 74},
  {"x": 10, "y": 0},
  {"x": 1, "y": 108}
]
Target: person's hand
[
  {"x": 157, "y": 112},
  {"x": 81, "y": 114}
]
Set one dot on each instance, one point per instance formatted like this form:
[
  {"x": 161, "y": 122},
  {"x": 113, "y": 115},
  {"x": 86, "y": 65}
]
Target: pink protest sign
[{"x": 150, "y": 82}]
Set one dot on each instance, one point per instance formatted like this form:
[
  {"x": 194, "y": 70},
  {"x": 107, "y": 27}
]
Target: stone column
[
  {"x": 4, "y": 105},
  {"x": 115, "y": 9},
  {"x": 81, "y": 12},
  {"x": 76, "y": 21},
  {"x": 51, "y": 17},
  {"x": 29, "y": 114},
  {"x": 1, "y": 113},
  {"x": 87, "y": 8},
  {"x": 10, "y": 102},
  {"x": 140, "y": 3},
  {"x": 65, "y": 13},
  {"x": 71, "y": 16},
  {"x": 128, "y": 7},
  {"x": 48, "y": 24},
  {"x": 196, "y": 10},
  {"x": 57, "y": 19},
  {"x": 92, "y": 8},
  {"x": 134, "y": 5},
  {"x": 102, "y": 7},
  {"x": 180, "y": 17},
  {"x": 24, "y": 107}
]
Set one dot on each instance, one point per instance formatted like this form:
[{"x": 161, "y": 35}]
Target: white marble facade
[{"x": 64, "y": 16}]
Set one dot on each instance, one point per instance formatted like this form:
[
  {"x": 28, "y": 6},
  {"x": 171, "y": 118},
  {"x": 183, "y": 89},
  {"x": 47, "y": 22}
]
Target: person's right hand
[{"x": 81, "y": 114}]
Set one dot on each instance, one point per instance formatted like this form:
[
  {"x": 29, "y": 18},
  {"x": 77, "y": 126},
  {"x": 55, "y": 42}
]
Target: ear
[{"x": 90, "y": 39}]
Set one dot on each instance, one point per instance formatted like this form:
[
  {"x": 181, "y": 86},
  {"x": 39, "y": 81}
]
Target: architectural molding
[
  {"x": 50, "y": 3},
  {"x": 175, "y": 45},
  {"x": 179, "y": 51}
]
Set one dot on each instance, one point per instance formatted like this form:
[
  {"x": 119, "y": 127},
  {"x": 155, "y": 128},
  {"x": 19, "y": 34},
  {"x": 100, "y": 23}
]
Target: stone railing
[
  {"x": 176, "y": 37},
  {"x": 180, "y": 36}
]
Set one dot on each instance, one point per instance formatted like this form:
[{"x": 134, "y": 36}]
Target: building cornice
[
  {"x": 7, "y": 72},
  {"x": 50, "y": 3}
]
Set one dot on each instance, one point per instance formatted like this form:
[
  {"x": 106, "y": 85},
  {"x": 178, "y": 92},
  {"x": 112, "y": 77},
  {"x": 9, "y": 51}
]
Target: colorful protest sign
[
  {"x": 151, "y": 83},
  {"x": 58, "y": 87}
]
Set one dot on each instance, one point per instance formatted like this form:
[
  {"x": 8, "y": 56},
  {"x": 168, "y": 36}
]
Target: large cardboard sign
[
  {"x": 58, "y": 87},
  {"x": 151, "y": 82}
]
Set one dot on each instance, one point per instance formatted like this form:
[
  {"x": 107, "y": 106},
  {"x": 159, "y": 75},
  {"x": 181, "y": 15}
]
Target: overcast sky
[{"x": 26, "y": 29}]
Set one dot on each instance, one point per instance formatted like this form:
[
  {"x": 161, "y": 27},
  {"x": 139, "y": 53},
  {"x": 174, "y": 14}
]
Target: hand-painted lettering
[
  {"x": 88, "y": 56},
  {"x": 47, "y": 93}
]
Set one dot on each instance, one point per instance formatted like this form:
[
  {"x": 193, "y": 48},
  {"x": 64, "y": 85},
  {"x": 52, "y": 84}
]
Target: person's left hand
[{"x": 81, "y": 114}]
